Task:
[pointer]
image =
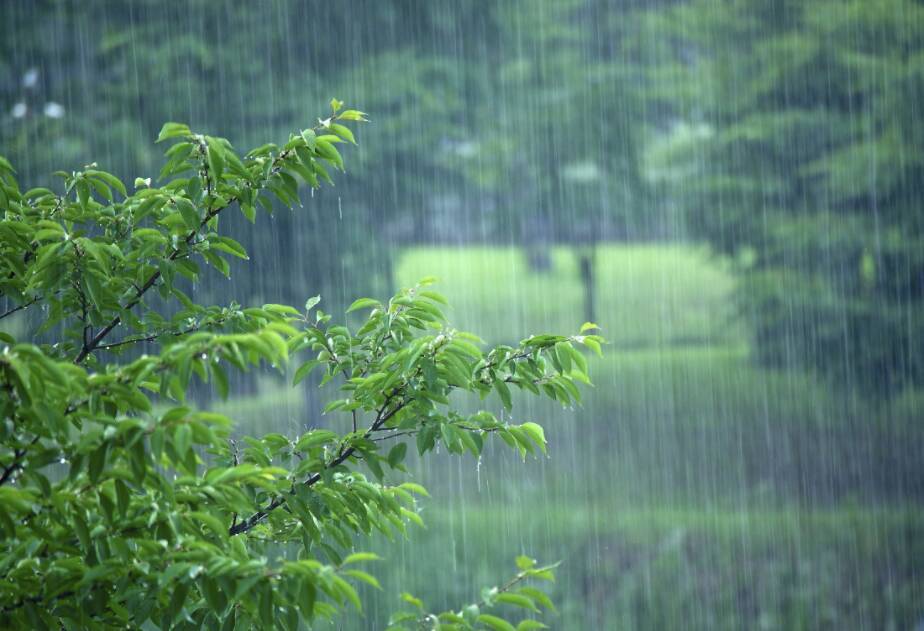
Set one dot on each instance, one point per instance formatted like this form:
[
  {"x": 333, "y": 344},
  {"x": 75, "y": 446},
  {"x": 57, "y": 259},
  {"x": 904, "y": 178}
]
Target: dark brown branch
[
  {"x": 414, "y": 432},
  {"x": 34, "y": 600},
  {"x": 18, "y": 455},
  {"x": 381, "y": 418},
  {"x": 97, "y": 339},
  {"x": 24, "y": 305},
  {"x": 11, "y": 469},
  {"x": 152, "y": 337},
  {"x": 506, "y": 587},
  {"x": 154, "y": 277}
]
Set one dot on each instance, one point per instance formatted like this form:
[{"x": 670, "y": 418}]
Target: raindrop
[{"x": 478, "y": 471}]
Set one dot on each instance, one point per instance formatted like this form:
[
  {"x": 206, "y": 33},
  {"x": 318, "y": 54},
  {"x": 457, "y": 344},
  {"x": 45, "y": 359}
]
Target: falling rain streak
[{"x": 731, "y": 190}]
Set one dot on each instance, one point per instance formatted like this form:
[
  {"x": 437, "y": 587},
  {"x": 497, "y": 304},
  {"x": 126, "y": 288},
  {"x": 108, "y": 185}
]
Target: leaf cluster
[{"x": 121, "y": 504}]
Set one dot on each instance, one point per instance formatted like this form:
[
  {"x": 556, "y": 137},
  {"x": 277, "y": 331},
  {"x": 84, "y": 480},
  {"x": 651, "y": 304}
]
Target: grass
[
  {"x": 675, "y": 567},
  {"x": 647, "y": 294}
]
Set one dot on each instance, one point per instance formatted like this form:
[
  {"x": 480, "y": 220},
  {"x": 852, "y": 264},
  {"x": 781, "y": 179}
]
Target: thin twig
[
  {"x": 9, "y": 470},
  {"x": 19, "y": 308},
  {"x": 381, "y": 418},
  {"x": 155, "y": 276},
  {"x": 153, "y": 336}
]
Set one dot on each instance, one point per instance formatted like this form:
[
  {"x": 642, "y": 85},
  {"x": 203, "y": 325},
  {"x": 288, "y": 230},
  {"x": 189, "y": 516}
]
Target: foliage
[
  {"x": 121, "y": 504},
  {"x": 803, "y": 162},
  {"x": 568, "y": 93},
  {"x": 543, "y": 95}
]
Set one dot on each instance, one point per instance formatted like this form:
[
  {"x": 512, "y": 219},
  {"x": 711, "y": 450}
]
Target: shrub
[{"x": 122, "y": 505}]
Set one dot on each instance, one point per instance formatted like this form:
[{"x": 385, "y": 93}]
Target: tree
[
  {"x": 121, "y": 505},
  {"x": 804, "y": 167},
  {"x": 118, "y": 72},
  {"x": 566, "y": 131},
  {"x": 544, "y": 97}
]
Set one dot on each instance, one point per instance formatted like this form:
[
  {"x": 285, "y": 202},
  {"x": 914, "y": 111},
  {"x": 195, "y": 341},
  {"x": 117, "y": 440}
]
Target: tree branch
[
  {"x": 19, "y": 308},
  {"x": 414, "y": 432},
  {"x": 506, "y": 587},
  {"x": 97, "y": 339},
  {"x": 154, "y": 336},
  {"x": 381, "y": 418},
  {"x": 18, "y": 455}
]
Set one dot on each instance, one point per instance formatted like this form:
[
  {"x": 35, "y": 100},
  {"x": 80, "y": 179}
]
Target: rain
[{"x": 731, "y": 190}]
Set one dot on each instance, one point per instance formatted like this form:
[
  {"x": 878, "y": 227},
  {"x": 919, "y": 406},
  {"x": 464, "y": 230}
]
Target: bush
[{"x": 122, "y": 505}]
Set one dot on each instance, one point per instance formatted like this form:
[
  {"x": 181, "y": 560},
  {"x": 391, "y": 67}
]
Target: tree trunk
[{"x": 587, "y": 261}]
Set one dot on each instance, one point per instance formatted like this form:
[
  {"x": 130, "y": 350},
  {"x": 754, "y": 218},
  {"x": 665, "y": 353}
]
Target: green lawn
[
  {"x": 647, "y": 294},
  {"x": 673, "y": 567}
]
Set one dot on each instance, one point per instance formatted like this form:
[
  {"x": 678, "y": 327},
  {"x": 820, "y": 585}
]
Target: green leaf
[
  {"x": 343, "y": 131},
  {"x": 416, "y": 602},
  {"x": 109, "y": 179},
  {"x": 498, "y": 624},
  {"x": 504, "y": 393},
  {"x": 361, "y": 557},
  {"x": 182, "y": 439},
  {"x": 229, "y": 246},
  {"x": 311, "y": 302},
  {"x": 413, "y": 487},
  {"x": 304, "y": 370},
  {"x": 352, "y": 115},
  {"x": 97, "y": 462},
  {"x": 327, "y": 151},
  {"x": 467, "y": 347},
  {"x": 563, "y": 353},
  {"x": 188, "y": 212},
  {"x": 594, "y": 345},
  {"x": 178, "y": 599},
  {"x": 122, "y": 497},
  {"x": 365, "y": 577},
  {"x": 310, "y": 138},
  {"x": 216, "y": 157},
  {"x": 172, "y": 130},
  {"x": 434, "y": 296},
  {"x": 517, "y": 600},
  {"x": 221, "y": 380},
  {"x": 536, "y": 434},
  {"x": 363, "y": 303},
  {"x": 396, "y": 454},
  {"x": 524, "y": 562},
  {"x": 315, "y": 438},
  {"x": 538, "y": 596},
  {"x": 348, "y": 591},
  {"x": 306, "y": 598}
]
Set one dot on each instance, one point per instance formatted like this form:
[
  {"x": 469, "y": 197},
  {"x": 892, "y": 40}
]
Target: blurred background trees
[{"x": 806, "y": 169}]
